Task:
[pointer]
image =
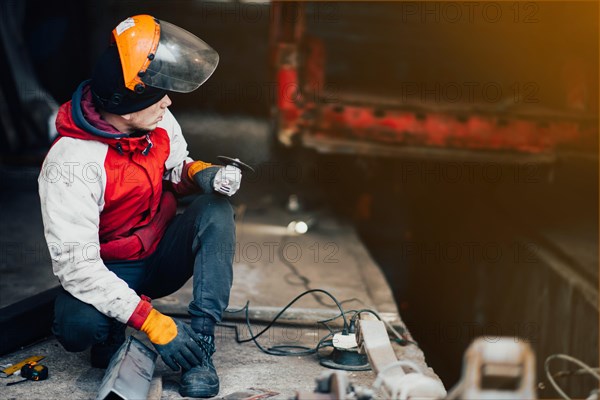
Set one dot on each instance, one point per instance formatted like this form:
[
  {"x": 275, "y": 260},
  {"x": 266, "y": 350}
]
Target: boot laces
[{"x": 207, "y": 344}]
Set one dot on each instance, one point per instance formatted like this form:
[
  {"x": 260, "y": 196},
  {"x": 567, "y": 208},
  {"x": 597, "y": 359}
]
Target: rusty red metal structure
[{"x": 309, "y": 112}]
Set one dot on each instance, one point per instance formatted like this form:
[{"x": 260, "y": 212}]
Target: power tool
[{"x": 32, "y": 371}]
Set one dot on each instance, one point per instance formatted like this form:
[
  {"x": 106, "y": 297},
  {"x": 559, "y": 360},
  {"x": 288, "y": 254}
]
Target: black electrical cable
[
  {"x": 362, "y": 310},
  {"x": 286, "y": 350},
  {"x": 323, "y": 343},
  {"x": 324, "y": 321},
  {"x": 282, "y": 350}
]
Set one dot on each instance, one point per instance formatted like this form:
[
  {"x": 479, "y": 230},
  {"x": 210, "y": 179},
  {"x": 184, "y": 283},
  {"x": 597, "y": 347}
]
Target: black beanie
[{"x": 109, "y": 91}]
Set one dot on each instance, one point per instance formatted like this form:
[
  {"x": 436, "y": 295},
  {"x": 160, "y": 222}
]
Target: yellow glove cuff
[
  {"x": 159, "y": 328},
  {"x": 196, "y": 167}
]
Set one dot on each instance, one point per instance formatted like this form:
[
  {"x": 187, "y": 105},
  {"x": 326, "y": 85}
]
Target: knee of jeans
[
  {"x": 79, "y": 329},
  {"x": 214, "y": 208},
  {"x": 78, "y": 336}
]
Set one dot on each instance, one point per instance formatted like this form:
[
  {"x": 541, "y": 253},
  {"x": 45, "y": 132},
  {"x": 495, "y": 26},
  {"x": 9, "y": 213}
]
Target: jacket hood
[{"x": 78, "y": 118}]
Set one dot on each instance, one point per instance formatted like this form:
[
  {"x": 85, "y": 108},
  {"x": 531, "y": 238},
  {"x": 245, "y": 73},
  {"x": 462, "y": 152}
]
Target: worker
[{"x": 109, "y": 187}]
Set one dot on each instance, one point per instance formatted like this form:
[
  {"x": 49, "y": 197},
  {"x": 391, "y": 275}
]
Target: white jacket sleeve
[
  {"x": 71, "y": 188},
  {"x": 178, "y": 155}
]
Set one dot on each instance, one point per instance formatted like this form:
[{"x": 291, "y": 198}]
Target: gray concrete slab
[
  {"x": 329, "y": 256},
  {"x": 272, "y": 266},
  {"x": 240, "y": 366}
]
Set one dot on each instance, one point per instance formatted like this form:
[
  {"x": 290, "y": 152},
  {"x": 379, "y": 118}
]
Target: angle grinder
[{"x": 235, "y": 162}]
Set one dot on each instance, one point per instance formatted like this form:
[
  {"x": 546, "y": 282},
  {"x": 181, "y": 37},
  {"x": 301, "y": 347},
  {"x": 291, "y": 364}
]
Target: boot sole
[{"x": 200, "y": 391}]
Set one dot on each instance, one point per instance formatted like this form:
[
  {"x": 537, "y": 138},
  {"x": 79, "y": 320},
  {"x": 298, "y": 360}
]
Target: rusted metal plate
[
  {"x": 409, "y": 112},
  {"x": 327, "y": 144},
  {"x": 435, "y": 129}
]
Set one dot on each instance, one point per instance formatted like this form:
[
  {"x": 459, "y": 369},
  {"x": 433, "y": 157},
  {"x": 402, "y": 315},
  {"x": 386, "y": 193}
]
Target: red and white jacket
[{"x": 106, "y": 196}]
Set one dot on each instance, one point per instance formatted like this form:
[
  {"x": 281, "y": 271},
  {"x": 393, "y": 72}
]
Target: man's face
[{"x": 148, "y": 118}]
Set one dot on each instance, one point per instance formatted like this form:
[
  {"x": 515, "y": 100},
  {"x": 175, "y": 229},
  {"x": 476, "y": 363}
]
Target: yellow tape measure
[{"x": 17, "y": 367}]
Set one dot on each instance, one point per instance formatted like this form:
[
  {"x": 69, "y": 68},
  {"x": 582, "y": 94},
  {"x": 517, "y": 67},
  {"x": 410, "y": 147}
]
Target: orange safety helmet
[{"x": 162, "y": 55}]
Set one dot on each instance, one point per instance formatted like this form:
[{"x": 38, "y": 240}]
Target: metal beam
[{"x": 129, "y": 373}]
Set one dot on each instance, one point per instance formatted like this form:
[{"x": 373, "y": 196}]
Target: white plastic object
[{"x": 341, "y": 341}]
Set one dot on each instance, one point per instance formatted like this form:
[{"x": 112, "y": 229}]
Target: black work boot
[
  {"x": 102, "y": 352},
  {"x": 202, "y": 380}
]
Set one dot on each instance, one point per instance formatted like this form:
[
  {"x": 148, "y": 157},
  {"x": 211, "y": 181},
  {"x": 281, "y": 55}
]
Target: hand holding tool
[{"x": 229, "y": 178}]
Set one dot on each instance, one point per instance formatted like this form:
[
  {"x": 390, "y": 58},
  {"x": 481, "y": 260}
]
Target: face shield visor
[
  {"x": 182, "y": 61},
  {"x": 162, "y": 55}
]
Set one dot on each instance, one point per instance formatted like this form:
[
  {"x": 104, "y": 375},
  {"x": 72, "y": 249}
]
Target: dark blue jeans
[{"x": 199, "y": 243}]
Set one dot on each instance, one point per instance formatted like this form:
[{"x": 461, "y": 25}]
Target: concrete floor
[{"x": 265, "y": 281}]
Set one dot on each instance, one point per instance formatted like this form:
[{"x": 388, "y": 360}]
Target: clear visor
[{"x": 182, "y": 62}]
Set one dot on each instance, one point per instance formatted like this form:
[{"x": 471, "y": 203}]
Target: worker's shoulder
[
  {"x": 68, "y": 154},
  {"x": 74, "y": 149},
  {"x": 72, "y": 160}
]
